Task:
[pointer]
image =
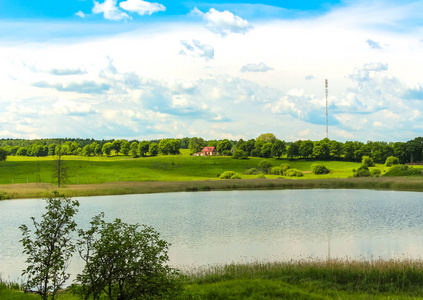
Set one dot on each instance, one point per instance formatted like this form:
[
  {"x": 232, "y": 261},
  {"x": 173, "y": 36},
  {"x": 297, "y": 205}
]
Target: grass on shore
[{"x": 333, "y": 279}]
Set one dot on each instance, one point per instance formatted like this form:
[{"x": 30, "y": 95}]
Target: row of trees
[{"x": 266, "y": 146}]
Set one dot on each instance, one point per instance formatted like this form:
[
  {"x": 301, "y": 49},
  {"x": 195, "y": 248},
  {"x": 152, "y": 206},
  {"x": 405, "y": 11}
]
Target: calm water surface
[{"x": 242, "y": 226}]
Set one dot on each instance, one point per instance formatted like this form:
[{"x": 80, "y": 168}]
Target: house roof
[{"x": 207, "y": 149}]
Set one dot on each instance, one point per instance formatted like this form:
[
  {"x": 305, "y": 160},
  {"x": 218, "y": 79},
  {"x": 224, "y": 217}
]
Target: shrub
[
  {"x": 391, "y": 160},
  {"x": 265, "y": 166},
  {"x": 229, "y": 175},
  {"x": 236, "y": 176},
  {"x": 261, "y": 176},
  {"x": 362, "y": 171},
  {"x": 227, "y": 153},
  {"x": 319, "y": 169},
  {"x": 375, "y": 172},
  {"x": 285, "y": 167},
  {"x": 367, "y": 161},
  {"x": 239, "y": 154},
  {"x": 276, "y": 171},
  {"x": 294, "y": 173},
  {"x": 252, "y": 171}
]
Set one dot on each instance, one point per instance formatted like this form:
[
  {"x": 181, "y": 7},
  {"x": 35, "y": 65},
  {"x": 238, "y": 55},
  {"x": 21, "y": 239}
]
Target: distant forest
[{"x": 266, "y": 145}]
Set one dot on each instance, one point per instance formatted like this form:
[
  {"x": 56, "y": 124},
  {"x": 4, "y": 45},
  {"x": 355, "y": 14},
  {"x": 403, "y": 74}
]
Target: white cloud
[
  {"x": 197, "y": 49},
  {"x": 141, "y": 7},
  {"x": 223, "y": 23},
  {"x": 80, "y": 14},
  {"x": 374, "y": 45},
  {"x": 109, "y": 10},
  {"x": 261, "y": 67}
]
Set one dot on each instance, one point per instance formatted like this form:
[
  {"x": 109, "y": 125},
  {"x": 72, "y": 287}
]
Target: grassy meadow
[
  {"x": 332, "y": 279},
  {"x": 32, "y": 177}
]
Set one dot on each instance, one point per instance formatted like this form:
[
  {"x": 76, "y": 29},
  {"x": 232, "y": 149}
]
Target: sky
[{"x": 145, "y": 70}]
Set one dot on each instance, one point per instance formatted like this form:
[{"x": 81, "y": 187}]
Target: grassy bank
[
  {"x": 34, "y": 190},
  {"x": 334, "y": 279}
]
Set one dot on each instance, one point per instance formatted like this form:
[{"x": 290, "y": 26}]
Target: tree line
[{"x": 266, "y": 145}]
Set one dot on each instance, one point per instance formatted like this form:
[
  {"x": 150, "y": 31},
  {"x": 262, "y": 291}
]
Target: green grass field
[
  {"x": 32, "y": 177},
  {"x": 87, "y": 170}
]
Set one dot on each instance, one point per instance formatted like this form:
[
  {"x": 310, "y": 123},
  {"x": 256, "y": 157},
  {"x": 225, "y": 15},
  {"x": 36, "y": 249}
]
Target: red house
[{"x": 208, "y": 151}]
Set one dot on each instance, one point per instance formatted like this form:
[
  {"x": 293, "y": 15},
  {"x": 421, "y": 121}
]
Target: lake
[{"x": 243, "y": 226}]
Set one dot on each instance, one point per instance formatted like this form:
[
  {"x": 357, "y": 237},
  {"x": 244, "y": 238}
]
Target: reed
[{"x": 351, "y": 278}]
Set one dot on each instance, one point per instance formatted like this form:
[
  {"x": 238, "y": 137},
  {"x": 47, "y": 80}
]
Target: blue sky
[{"x": 145, "y": 70}]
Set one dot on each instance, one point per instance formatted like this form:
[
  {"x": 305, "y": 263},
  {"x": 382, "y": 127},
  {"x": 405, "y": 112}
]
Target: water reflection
[{"x": 222, "y": 227}]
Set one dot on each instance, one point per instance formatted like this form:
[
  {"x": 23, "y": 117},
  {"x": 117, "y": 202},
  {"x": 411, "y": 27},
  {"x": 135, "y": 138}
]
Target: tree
[
  {"x": 3, "y": 154},
  {"x": 107, "y": 148},
  {"x": 116, "y": 145},
  {"x": 239, "y": 154},
  {"x": 52, "y": 149},
  {"x": 124, "y": 147},
  {"x": 96, "y": 148},
  {"x": 87, "y": 150},
  {"x": 49, "y": 248},
  {"x": 196, "y": 145},
  {"x": 21, "y": 151},
  {"x": 367, "y": 161},
  {"x": 165, "y": 147},
  {"x": 223, "y": 145},
  {"x": 134, "y": 149},
  {"x": 60, "y": 171},
  {"x": 125, "y": 262},
  {"x": 143, "y": 147},
  {"x": 321, "y": 149},
  {"x": 266, "y": 137},
  {"x": 266, "y": 150},
  {"x": 306, "y": 148},
  {"x": 278, "y": 148},
  {"x": 153, "y": 149}
]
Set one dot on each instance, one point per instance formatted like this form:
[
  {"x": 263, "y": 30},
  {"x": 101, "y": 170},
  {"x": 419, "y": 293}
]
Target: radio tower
[{"x": 326, "y": 90}]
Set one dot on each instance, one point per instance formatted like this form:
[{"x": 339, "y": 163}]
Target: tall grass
[{"x": 317, "y": 278}]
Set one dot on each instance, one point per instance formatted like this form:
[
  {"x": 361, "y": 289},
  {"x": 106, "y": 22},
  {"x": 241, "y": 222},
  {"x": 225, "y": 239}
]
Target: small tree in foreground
[
  {"x": 125, "y": 262},
  {"x": 49, "y": 248}
]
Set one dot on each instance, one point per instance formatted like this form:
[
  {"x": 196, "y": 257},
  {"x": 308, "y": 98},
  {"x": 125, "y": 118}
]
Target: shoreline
[{"x": 42, "y": 190}]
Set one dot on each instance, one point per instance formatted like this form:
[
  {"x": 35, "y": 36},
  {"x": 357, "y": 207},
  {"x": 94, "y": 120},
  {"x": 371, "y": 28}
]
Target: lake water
[{"x": 243, "y": 226}]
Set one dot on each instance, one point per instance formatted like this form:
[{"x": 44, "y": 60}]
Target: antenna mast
[{"x": 326, "y": 90}]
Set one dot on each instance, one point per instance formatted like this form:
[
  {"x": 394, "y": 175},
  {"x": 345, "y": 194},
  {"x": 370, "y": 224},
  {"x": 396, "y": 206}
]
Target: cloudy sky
[{"x": 145, "y": 70}]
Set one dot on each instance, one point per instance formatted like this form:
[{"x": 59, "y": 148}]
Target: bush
[
  {"x": 235, "y": 176},
  {"x": 391, "y": 160},
  {"x": 229, "y": 175},
  {"x": 367, "y": 161},
  {"x": 294, "y": 173},
  {"x": 285, "y": 167},
  {"x": 404, "y": 170},
  {"x": 319, "y": 169},
  {"x": 239, "y": 154},
  {"x": 252, "y": 171},
  {"x": 265, "y": 166},
  {"x": 227, "y": 153},
  {"x": 362, "y": 171},
  {"x": 261, "y": 176},
  {"x": 375, "y": 172},
  {"x": 276, "y": 171}
]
